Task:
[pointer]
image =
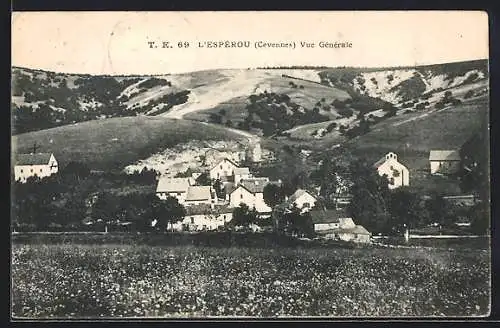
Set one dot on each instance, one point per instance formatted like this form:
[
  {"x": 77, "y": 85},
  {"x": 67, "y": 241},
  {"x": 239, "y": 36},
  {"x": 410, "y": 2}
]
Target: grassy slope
[
  {"x": 116, "y": 142},
  {"x": 412, "y": 141},
  {"x": 307, "y": 97}
]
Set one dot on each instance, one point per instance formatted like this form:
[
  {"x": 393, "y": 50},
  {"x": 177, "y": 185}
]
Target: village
[{"x": 211, "y": 194}]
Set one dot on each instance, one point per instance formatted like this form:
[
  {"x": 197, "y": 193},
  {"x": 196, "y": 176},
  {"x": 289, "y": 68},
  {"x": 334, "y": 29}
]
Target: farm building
[
  {"x": 197, "y": 195},
  {"x": 444, "y": 161},
  {"x": 224, "y": 168},
  {"x": 34, "y": 165},
  {"x": 302, "y": 200},
  {"x": 175, "y": 187},
  {"x": 397, "y": 174},
  {"x": 336, "y": 224},
  {"x": 251, "y": 193},
  {"x": 202, "y": 218}
]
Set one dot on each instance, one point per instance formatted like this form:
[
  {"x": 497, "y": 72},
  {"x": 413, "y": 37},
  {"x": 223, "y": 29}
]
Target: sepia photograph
[{"x": 250, "y": 165}]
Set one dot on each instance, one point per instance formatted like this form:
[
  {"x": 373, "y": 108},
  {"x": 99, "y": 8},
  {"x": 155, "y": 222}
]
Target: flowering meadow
[{"x": 119, "y": 281}]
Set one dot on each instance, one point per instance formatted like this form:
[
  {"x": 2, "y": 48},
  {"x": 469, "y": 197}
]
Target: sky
[{"x": 117, "y": 42}]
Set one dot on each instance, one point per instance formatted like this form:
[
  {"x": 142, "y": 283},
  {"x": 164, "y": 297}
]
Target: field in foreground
[{"x": 51, "y": 281}]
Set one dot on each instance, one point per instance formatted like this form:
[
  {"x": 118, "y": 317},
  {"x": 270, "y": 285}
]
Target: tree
[
  {"x": 439, "y": 210},
  {"x": 203, "y": 179},
  {"x": 370, "y": 198},
  {"x": 296, "y": 223},
  {"x": 243, "y": 216},
  {"x": 166, "y": 211},
  {"x": 219, "y": 189},
  {"x": 480, "y": 218},
  {"x": 406, "y": 210},
  {"x": 326, "y": 177},
  {"x": 215, "y": 118},
  {"x": 273, "y": 195},
  {"x": 76, "y": 170}
]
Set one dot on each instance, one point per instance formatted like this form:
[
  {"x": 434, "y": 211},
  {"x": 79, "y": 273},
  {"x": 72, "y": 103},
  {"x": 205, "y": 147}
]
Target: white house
[
  {"x": 202, "y": 218},
  {"x": 224, "y": 168},
  {"x": 35, "y": 164},
  {"x": 241, "y": 173},
  {"x": 175, "y": 187},
  {"x": 251, "y": 193},
  {"x": 444, "y": 161},
  {"x": 197, "y": 195},
  {"x": 302, "y": 200},
  {"x": 397, "y": 174}
]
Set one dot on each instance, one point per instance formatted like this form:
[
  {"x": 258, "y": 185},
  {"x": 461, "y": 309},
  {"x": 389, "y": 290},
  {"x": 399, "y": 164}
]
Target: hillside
[
  {"x": 42, "y": 100},
  {"x": 413, "y": 135},
  {"x": 117, "y": 142},
  {"x": 301, "y": 103}
]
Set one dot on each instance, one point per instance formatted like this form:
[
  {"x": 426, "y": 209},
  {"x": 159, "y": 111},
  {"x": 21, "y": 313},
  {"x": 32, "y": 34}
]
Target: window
[
  {"x": 204, "y": 227},
  {"x": 224, "y": 216},
  {"x": 178, "y": 194},
  {"x": 241, "y": 196},
  {"x": 221, "y": 166},
  {"x": 192, "y": 220},
  {"x": 31, "y": 170},
  {"x": 21, "y": 170},
  {"x": 40, "y": 170},
  {"x": 392, "y": 167}
]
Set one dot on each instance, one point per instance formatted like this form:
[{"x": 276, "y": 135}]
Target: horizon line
[{"x": 253, "y": 68}]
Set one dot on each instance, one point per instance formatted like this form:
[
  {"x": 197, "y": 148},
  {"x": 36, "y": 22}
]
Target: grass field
[
  {"x": 57, "y": 281},
  {"x": 116, "y": 142}
]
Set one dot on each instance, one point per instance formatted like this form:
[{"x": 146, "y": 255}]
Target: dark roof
[
  {"x": 207, "y": 209},
  {"x": 328, "y": 216},
  {"x": 229, "y": 187},
  {"x": 254, "y": 185},
  {"x": 198, "y": 209},
  {"x": 33, "y": 159},
  {"x": 444, "y": 155}
]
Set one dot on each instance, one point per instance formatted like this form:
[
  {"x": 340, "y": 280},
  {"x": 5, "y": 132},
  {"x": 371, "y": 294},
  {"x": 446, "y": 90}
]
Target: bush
[{"x": 345, "y": 112}]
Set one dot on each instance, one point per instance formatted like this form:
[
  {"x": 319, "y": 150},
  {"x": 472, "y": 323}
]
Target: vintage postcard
[{"x": 250, "y": 165}]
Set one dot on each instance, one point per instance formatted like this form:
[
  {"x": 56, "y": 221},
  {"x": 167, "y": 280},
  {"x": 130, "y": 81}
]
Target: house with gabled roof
[
  {"x": 397, "y": 174},
  {"x": 250, "y": 192},
  {"x": 302, "y": 200},
  {"x": 224, "y": 168},
  {"x": 444, "y": 161},
  {"x": 34, "y": 165},
  {"x": 174, "y": 187}
]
